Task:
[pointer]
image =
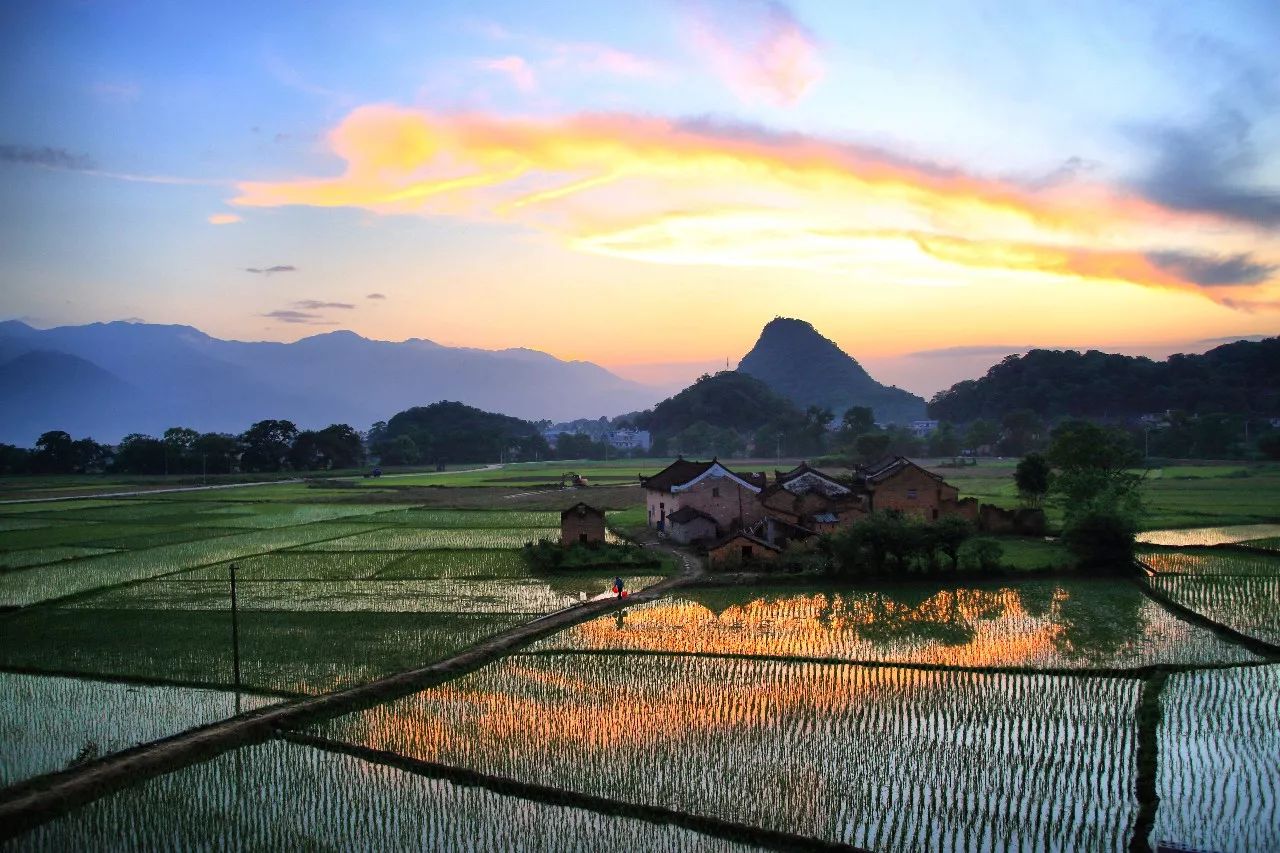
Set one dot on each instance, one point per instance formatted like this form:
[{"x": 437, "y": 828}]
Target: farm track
[
  {"x": 35, "y": 801},
  {"x": 716, "y": 827},
  {"x": 1271, "y": 651},
  {"x": 143, "y": 681}
]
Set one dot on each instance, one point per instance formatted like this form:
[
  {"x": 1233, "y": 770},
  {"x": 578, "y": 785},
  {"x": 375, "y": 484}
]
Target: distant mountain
[
  {"x": 728, "y": 400},
  {"x": 1242, "y": 377},
  {"x": 152, "y": 377},
  {"x": 793, "y": 359}
]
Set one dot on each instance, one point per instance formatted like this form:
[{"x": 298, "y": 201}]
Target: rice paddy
[{"x": 958, "y": 716}]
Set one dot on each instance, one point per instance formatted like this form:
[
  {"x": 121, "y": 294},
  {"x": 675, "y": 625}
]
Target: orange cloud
[
  {"x": 660, "y": 191},
  {"x": 223, "y": 219}
]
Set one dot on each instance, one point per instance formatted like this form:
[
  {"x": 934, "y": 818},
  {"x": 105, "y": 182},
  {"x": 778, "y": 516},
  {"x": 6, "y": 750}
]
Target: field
[{"x": 1057, "y": 713}]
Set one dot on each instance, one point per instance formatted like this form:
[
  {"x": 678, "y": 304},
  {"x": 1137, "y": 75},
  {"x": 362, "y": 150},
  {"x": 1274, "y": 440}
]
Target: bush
[
  {"x": 980, "y": 555},
  {"x": 1101, "y": 536},
  {"x": 547, "y": 556}
]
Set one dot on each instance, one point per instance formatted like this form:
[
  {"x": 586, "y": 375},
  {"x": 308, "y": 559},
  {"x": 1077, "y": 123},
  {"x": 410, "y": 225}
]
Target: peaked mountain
[
  {"x": 793, "y": 359},
  {"x": 116, "y": 378}
]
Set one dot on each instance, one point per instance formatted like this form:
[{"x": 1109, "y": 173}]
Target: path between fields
[
  {"x": 295, "y": 480},
  {"x": 28, "y": 804}
]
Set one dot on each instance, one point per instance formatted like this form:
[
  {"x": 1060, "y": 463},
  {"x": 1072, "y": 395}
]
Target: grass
[{"x": 1026, "y": 553}]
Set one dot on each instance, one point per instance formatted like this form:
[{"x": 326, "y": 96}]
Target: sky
[{"x": 932, "y": 187}]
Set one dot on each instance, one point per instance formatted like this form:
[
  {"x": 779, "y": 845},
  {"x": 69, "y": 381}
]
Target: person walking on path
[{"x": 617, "y": 586}]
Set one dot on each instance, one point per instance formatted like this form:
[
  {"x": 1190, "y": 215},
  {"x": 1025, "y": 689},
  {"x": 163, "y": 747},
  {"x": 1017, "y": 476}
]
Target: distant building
[
  {"x": 730, "y": 499},
  {"x": 921, "y": 429},
  {"x": 581, "y": 524},
  {"x": 630, "y": 439}
]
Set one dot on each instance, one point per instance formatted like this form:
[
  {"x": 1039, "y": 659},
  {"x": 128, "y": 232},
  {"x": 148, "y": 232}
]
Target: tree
[
  {"x": 574, "y": 446},
  {"x": 340, "y": 446},
  {"x": 400, "y": 450},
  {"x": 943, "y": 441},
  {"x": 981, "y": 433},
  {"x": 1099, "y": 490},
  {"x": 215, "y": 453},
  {"x": 179, "y": 443},
  {"x": 54, "y": 453},
  {"x": 1032, "y": 477},
  {"x": 139, "y": 454},
  {"x": 14, "y": 460},
  {"x": 265, "y": 445},
  {"x": 948, "y": 534},
  {"x": 1022, "y": 431},
  {"x": 872, "y": 446},
  {"x": 89, "y": 456},
  {"x": 305, "y": 453},
  {"x": 858, "y": 420},
  {"x": 1269, "y": 444}
]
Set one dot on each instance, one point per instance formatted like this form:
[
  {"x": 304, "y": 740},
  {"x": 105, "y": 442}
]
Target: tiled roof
[
  {"x": 754, "y": 540},
  {"x": 686, "y": 514},
  {"x": 582, "y": 509},
  {"x": 682, "y": 471}
]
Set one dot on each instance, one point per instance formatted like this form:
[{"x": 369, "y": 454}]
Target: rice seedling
[
  {"x": 139, "y": 537},
  {"x": 1271, "y": 543},
  {"x": 49, "y": 724},
  {"x": 9, "y": 524},
  {"x": 1209, "y": 535},
  {"x": 1208, "y": 561},
  {"x": 281, "y": 796},
  {"x": 290, "y": 652},
  {"x": 268, "y": 515},
  {"x": 878, "y": 757},
  {"x": 487, "y": 563},
  {"x": 12, "y": 560},
  {"x": 298, "y": 565},
  {"x": 46, "y": 582},
  {"x": 55, "y": 534},
  {"x": 414, "y": 539},
  {"x": 1034, "y": 624},
  {"x": 1250, "y": 605},
  {"x": 1219, "y": 760},
  {"x": 468, "y": 518}
]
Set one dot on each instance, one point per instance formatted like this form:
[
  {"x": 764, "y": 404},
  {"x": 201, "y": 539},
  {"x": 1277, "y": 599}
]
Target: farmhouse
[
  {"x": 688, "y": 525},
  {"x": 742, "y": 546},
  {"x": 805, "y": 497},
  {"x": 729, "y": 499},
  {"x": 581, "y": 524},
  {"x": 898, "y": 483}
]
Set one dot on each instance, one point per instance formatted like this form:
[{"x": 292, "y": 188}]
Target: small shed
[
  {"x": 687, "y": 525},
  {"x": 581, "y": 523},
  {"x": 743, "y": 547}
]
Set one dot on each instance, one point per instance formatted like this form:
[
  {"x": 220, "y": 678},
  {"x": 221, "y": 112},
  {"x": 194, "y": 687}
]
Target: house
[
  {"x": 744, "y": 547},
  {"x": 730, "y": 499},
  {"x": 922, "y": 429},
  {"x": 806, "y": 497},
  {"x": 688, "y": 525},
  {"x": 630, "y": 439},
  {"x": 898, "y": 483},
  {"x": 581, "y": 524}
]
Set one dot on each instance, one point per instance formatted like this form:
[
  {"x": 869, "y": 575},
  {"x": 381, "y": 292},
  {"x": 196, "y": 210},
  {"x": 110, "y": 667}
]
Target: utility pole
[{"x": 235, "y": 638}]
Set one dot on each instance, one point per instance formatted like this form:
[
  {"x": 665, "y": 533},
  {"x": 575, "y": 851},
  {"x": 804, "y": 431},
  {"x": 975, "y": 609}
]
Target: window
[
  {"x": 582, "y": 537},
  {"x": 715, "y": 492},
  {"x": 746, "y": 552},
  {"x": 911, "y": 494}
]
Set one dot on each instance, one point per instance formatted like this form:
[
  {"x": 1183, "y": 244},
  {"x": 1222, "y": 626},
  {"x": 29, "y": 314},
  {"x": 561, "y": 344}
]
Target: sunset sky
[{"x": 932, "y": 185}]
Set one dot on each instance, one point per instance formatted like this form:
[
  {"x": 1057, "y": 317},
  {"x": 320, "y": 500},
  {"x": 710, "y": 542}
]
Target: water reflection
[{"x": 1032, "y": 624}]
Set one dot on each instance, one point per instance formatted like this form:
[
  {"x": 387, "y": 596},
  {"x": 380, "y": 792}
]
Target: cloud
[
  {"x": 303, "y": 317},
  {"x": 706, "y": 193},
  {"x": 1231, "y": 339},
  {"x": 316, "y": 305},
  {"x": 223, "y": 219},
  {"x": 375, "y": 296},
  {"x": 1213, "y": 271},
  {"x": 44, "y": 156},
  {"x": 516, "y": 69},
  {"x": 758, "y": 48},
  {"x": 272, "y": 270},
  {"x": 961, "y": 351}
]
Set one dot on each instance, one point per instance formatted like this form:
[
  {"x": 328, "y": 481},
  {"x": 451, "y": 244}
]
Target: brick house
[
  {"x": 744, "y": 547},
  {"x": 898, "y": 483},
  {"x": 581, "y": 524},
  {"x": 806, "y": 497},
  {"x": 688, "y": 525},
  {"x": 730, "y": 499}
]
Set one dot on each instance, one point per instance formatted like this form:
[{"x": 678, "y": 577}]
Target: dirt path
[{"x": 44, "y": 798}]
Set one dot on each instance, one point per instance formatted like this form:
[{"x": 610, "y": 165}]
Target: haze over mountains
[{"x": 110, "y": 379}]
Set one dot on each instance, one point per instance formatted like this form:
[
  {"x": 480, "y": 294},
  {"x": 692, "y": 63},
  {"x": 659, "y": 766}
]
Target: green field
[{"x": 1042, "y": 713}]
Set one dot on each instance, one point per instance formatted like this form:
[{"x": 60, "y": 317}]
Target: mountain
[
  {"x": 151, "y": 377},
  {"x": 1241, "y": 377},
  {"x": 793, "y": 359},
  {"x": 728, "y": 400}
]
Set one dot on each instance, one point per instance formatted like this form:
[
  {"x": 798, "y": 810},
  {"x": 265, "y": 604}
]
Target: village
[{"x": 744, "y": 517}]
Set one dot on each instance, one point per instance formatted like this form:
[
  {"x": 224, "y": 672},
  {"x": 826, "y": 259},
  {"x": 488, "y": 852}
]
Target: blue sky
[{"x": 125, "y": 126}]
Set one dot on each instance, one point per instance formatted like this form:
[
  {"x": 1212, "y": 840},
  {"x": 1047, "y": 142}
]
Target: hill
[
  {"x": 728, "y": 400},
  {"x": 793, "y": 359},
  {"x": 452, "y": 432},
  {"x": 178, "y": 375},
  {"x": 1241, "y": 377}
]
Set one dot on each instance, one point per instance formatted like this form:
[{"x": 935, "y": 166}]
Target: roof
[
  {"x": 804, "y": 470},
  {"x": 880, "y": 471},
  {"x": 686, "y": 514},
  {"x": 683, "y": 472},
  {"x": 778, "y": 498},
  {"x": 754, "y": 540},
  {"x": 581, "y": 509}
]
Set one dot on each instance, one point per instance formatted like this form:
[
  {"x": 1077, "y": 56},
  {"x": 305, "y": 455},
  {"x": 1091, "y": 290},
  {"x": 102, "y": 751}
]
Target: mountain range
[
  {"x": 796, "y": 361},
  {"x": 109, "y": 379}
]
